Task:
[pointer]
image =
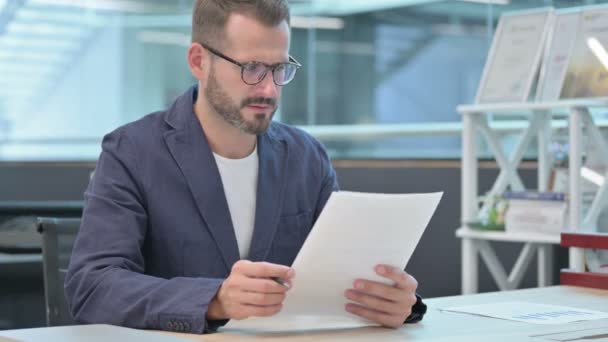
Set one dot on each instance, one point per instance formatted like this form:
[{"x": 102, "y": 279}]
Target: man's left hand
[{"x": 384, "y": 304}]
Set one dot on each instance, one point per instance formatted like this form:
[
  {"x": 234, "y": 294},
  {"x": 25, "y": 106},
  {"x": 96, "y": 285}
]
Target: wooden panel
[{"x": 585, "y": 279}]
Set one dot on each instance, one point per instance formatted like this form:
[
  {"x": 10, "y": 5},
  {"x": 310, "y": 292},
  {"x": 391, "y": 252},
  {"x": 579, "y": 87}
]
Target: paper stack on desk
[
  {"x": 354, "y": 233},
  {"x": 530, "y": 312}
]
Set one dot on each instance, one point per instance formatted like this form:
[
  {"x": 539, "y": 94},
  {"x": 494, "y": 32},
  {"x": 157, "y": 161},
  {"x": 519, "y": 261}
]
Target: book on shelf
[
  {"x": 535, "y": 212},
  {"x": 534, "y": 195}
]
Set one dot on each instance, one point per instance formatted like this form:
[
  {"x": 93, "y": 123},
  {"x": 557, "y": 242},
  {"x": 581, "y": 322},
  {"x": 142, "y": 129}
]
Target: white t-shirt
[{"x": 240, "y": 181}]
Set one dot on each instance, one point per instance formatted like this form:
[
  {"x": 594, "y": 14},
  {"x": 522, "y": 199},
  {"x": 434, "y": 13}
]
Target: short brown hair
[{"x": 209, "y": 17}]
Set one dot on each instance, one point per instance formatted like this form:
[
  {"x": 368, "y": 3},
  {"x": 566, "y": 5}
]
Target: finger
[
  {"x": 393, "y": 321},
  {"x": 263, "y": 270},
  {"x": 399, "y": 276},
  {"x": 262, "y": 285},
  {"x": 375, "y": 303},
  {"x": 261, "y": 299},
  {"x": 384, "y": 291}
]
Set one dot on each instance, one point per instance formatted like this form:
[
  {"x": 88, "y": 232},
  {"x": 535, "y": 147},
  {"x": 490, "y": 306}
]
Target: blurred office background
[{"x": 73, "y": 70}]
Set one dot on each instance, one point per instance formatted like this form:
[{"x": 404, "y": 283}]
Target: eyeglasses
[{"x": 253, "y": 73}]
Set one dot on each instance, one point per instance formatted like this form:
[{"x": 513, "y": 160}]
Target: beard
[{"x": 232, "y": 113}]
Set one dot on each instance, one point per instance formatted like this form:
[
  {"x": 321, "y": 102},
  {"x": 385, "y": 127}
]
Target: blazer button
[
  {"x": 170, "y": 325},
  {"x": 187, "y": 326}
]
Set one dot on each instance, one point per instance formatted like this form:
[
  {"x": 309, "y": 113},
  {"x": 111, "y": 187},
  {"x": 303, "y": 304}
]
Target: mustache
[{"x": 259, "y": 100}]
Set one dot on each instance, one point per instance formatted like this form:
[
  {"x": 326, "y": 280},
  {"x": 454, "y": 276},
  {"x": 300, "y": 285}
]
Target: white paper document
[
  {"x": 558, "y": 56},
  {"x": 354, "y": 233},
  {"x": 530, "y": 312},
  {"x": 593, "y": 334}
]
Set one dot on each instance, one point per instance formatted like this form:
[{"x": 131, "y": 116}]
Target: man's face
[{"x": 247, "y": 107}]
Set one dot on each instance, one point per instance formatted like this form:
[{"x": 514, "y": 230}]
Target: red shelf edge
[
  {"x": 584, "y": 240},
  {"x": 584, "y": 279}
]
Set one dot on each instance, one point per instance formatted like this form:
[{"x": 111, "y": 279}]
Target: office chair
[{"x": 58, "y": 235}]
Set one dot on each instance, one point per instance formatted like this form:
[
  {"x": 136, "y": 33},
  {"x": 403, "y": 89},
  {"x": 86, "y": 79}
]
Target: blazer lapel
[
  {"x": 190, "y": 149},
  {"x": 272, "y": 154}
]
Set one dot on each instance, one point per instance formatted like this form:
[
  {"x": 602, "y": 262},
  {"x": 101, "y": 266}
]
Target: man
[{"x": 195, "y": 213}]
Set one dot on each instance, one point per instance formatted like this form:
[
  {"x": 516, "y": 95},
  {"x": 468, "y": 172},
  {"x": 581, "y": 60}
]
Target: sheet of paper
[
  {"x": 354, "y": 233},
  {"x": 295, "y": 323},
  {"x": 585, "y": 334},
  {"x": 556, "y": 60},
  {"x": 530, "y": 312}
]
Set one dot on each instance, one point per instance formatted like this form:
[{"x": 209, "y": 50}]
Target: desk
[
  {"x": 445, "y": 326},
  {"x": 436, "y": 326}
]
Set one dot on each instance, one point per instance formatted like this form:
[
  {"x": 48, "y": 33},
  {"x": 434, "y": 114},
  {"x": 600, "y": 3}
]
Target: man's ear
[{"x": 198, "y": 60}]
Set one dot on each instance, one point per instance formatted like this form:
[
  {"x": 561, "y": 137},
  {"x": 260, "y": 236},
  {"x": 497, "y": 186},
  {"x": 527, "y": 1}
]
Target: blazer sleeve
[{"x": 105, "y": 282}]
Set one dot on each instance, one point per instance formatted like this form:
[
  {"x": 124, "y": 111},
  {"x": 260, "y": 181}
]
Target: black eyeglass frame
[{"x": 273, "y": 67}]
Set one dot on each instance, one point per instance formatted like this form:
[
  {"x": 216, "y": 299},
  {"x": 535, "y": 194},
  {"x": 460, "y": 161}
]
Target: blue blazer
[{"x": 156, "y": 239}]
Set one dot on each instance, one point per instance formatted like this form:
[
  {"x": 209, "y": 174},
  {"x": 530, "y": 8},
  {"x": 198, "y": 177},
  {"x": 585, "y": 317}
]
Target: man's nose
[{"x": 267, "y": 87}]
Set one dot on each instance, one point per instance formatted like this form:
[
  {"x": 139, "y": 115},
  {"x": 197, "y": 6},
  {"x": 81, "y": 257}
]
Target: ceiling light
[
  {"x": 44, "y": 30},
  {"x": 326, "y": 23},
  {"x": 164, "y": 37},
  {"x": 37, "y": 56},
  {"x": 101, "y": 5},
  {"x": 38, "y": 43},
  {"x": 489, "y": 2},
  {"x": 592, "y": 176},
  {"x": 598, "y": 50},
  {"x": 58, "y": 17}
]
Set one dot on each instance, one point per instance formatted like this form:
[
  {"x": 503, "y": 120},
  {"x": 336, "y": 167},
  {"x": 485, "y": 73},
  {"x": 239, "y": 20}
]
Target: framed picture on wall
[
  {"x": 558, "y": 52},
  {"x": 587, "y": 73},
  {"x": 514, "y": 57}
]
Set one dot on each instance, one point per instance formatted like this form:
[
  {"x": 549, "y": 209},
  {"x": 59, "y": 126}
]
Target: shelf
[
  {"x": 468, "y": 233},
  {"x": 584, "y": 279},
  {"x": 585, "y": 240},
  {"x": 526, "y": 108},
  {"x": 538, "y": 118}
]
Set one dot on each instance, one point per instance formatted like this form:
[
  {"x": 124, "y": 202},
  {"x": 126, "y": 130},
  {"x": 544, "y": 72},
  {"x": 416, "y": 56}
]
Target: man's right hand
[{"x": 249, "y": 292}]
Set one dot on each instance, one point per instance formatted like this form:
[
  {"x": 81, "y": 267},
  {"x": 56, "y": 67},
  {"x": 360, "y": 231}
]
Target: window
[{"x": 72, "y": 71}]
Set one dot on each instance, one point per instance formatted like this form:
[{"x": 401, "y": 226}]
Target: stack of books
[{"x": 535, "y": 212}]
